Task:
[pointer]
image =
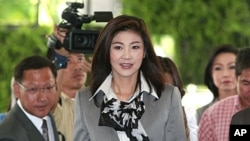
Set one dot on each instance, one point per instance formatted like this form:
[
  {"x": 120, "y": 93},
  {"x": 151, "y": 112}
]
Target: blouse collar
[{"x": 105, "y": 88}]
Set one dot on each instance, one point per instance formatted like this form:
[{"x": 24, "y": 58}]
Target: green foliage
[
  {"x": 16, "y": 12},
  {"x": 198, "y": 26},
  {"x": 17, "y": 43}
]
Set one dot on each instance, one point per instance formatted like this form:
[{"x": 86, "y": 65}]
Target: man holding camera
[
  {"x": 72, "y": 68},
  {"x": 68, "y": 46}
]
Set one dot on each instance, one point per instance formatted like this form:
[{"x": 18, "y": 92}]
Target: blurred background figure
[
  {"x": 243, "y": 117},
  {"x": 215, "y": 121},
  {"x": 72, "y": 68},
  {"x": 219, "y": 75},
  {"x": 12, "y": 100},
  {"x": 172, "y": 77}
]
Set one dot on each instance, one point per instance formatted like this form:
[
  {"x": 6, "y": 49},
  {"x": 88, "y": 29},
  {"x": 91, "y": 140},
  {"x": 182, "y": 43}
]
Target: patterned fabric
[
  {"x": 123, "y": 116},
  {"x": 45, "y": 130},
  {"x": 215, "y": 121}
]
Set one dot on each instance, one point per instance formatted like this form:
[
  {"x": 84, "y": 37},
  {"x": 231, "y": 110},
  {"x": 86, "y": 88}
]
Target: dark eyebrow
[
  {"x": 80, "y": 55},
  {"x": 134, "y": 42},
  {"x": 245, "y": 81}
]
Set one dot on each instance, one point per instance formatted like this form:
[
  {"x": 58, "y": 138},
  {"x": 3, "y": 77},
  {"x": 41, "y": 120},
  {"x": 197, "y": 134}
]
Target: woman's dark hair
[
  {"x": 101, "y": 66},
  {"x": 169, "y": 67},
  {"x": 226, "y": 48}
]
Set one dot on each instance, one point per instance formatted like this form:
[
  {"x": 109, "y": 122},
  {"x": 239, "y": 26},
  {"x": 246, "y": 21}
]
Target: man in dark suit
[{"x": 35, "y": 88}]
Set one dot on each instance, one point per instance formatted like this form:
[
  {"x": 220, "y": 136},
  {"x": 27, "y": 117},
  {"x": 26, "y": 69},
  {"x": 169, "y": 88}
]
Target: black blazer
[
  {"x": 17, "y": 127},
  {"x": 241, "y": 118}
]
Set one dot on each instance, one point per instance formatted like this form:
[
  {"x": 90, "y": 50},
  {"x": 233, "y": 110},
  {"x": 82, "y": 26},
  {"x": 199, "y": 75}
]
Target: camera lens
[{"x": 81, "y": 41}]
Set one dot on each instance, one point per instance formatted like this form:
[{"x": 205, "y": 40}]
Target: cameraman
[{"x": 72, "y": 74}]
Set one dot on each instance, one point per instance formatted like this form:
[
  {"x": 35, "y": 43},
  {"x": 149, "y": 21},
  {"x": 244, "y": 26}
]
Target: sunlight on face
[{"x": 126, "y": 54}]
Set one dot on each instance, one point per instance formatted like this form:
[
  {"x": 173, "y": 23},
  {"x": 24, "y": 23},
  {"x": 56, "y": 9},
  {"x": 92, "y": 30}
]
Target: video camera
[{"x": 78, "y": 40}]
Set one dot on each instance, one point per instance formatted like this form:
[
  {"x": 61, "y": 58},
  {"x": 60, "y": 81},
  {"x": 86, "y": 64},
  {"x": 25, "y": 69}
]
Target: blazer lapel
[
  {"x": 148, "y": 101},
  {"x": 31, "y": 131}
]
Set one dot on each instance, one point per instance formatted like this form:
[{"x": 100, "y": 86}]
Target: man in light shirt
[{"x": 72, "y": 68}]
